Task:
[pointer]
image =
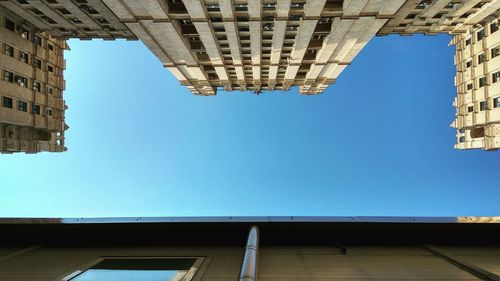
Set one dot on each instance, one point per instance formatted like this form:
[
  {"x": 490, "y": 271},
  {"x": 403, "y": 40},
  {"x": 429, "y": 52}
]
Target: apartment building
[
  {"x": 31, "y": 89},
  {"x": 477, "y": 59},
  {"x": 250, "y": 249}
]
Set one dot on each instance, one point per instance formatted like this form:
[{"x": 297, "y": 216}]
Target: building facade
[
  {"x": 477, "y": 59},
  {"x": 265, "y": 45},
  {"x": 250, "y": 249},
  {"x": 31, "y": 89}
]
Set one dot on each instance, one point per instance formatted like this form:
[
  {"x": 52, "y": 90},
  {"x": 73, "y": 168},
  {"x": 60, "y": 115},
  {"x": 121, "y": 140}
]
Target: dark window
[
  {"x": 470, "y": 109},
  {"x": 495, "y": 77},
  {"x": 138, "y": 269},
  {"x": 496, "y": 102},
  {"x": 50, "y": 68},
  {"x": 8, "y": 76},
  {"x": 297, "y": 6},
  {"x": 21, "y": 80},
  {"x": 9, "y": 50},
  {"x": 76, "y": 20},
  {"x": 22, "y": 2},
  {"x": 269, "y": 6},
  {"x": 468, "y": 64},
  {"x": 63, "y": 11},
  {"x": 481, "y": 58},
  {"x": 102, "y": 20},
  {"x": 467, "y": 42},
  {"x": 89, "y": 9},
  {"x": 49, "y": 20},
  {"x": 24, "y": 33},
  {"x": 495, "y": 52},
  {"x": 37, "y": 86},
  {"x": 240, "y": 7},
  {"x": 483, "y": 105},
  {"x": 37, "y": 63},
  {"x": 50, "y": 46},
  {"x": 52, "y": 1},
  {"x": 49, "y": 113},
  {"x": 35, "y": 109},
  {"x": 482, "y": 82},
  {"x": 22, "y": 106},
  {"x": 37, "y": 40},
  {"x": 10, "y": 25},
  {"x": 462, "y": 139},
  {"x": 213, "y": 8},
  {"x": 7, "y": 102},
  {"x": 493, "y": 27},
  {"x": 23, "y": 57},
  {"x": 50, "y": 91},
  {"x": 36, "y": 11},
  {"x": 469, "y": 86},
  {"x": 268, "y": 27},
  {"x": 480, "y": 35}
]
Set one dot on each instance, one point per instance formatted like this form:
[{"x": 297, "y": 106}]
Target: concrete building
[
  {"x": 250, "y": 249},
  {"x": 477, "y": 80},
  {"x": 265, "y": 45},
  {"x": 31, "y": 89}
]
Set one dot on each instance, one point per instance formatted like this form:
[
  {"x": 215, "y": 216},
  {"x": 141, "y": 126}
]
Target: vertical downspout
[{"x": 250, "y": 259}]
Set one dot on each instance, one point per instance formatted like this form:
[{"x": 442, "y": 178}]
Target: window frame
[{"x": 195, "y": 273}]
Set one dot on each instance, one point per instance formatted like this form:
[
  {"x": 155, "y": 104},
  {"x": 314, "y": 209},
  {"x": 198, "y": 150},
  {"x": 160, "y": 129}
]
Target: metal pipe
[{"x": 250, "y": 259}]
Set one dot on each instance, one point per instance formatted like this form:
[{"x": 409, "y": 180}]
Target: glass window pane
[{"x": 138, "y": 270}]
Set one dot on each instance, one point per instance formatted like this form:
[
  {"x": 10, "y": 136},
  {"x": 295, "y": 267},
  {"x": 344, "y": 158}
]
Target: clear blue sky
[{"x": 378, "y": 142}]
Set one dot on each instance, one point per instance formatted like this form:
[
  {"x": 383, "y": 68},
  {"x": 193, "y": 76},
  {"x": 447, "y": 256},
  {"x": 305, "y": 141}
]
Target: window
[
  {"x": 21, "y": 81},
  {"x": 482, "y": 82},
  {"x": 37, "y": 40},
  {"x": 467, "y": 42},
  {"x": 49, "y": 112},
  {"x": 7, "y": 102},
  {"x": 495, "y": 52},
  {"x": 50, "y": 46},
  {"x": 470, "y": 109},
  {"x": 483, "y": 105},
  {"x": 10, "y": 25},
  {"x": 22, "y": 106},
  {"x": 481, "y": 58},
  {"x": 493, "y": 27},
  {"x": 37, "y": 86},
  {"x": 213, "y": 8},
  {"x": 297, "y": 6},
  {"x": 50, "y": 68},
  {"x": 496, "y": 102},
  {"x": 495, "y": 77},
  {"x": 469, "y": 86},
  {"x": 102, "y": 20},
  {"x": 178, "y": 269},
  {"x": 241, "y": 7},
  {"x": 35, "y": 109},
  {"x": 9, "y": 50},
  {"x": 89, "y": 9},
  {"x": 50, "y": 91},
  {"x": 269, "y": 6},
  {"x": 8, "y": 76},
  {"x": 37, "y": 63},
  {"x": 24, "y": 33},
  {"x": 23, "y": 57},
  {"x": 76, "y": 20},
  {"x": 480, "y": 35},
  {"x": 468, "y": 64},
  {"x": 461, "y": 139},
  {"x": 63, "y": 11}
]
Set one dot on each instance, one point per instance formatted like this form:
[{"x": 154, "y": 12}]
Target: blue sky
[{"x": 377, "y": 142}]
